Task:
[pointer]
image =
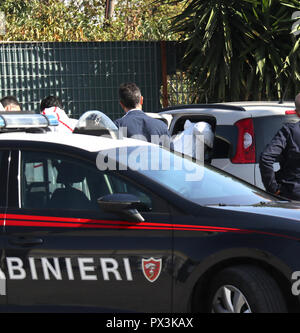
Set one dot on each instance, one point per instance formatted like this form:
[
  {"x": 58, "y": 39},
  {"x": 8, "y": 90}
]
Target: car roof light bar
[
  {"x": 52, "y": 120},
  {"x": 13, "y": 120}
]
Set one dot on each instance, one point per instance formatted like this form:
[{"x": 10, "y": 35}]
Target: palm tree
[
  {"x": 273, "y": 50},
  {"x": 239, "y": 49}
]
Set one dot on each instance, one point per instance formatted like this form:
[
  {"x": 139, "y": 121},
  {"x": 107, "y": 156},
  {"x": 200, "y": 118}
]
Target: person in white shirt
[{"x": 52, "y": 105}]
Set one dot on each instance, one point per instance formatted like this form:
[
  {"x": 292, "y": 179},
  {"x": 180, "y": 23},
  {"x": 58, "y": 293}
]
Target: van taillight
[
  {"x": 245, "y": 150},
  {"x": 290, "y": 112}
]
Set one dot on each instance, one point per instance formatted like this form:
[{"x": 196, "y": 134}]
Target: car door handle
[{"x": 26, "y": 241}]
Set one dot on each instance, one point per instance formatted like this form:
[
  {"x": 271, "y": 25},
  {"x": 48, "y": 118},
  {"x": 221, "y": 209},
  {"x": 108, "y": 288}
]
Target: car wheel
[{"x": 245, "y": 289}]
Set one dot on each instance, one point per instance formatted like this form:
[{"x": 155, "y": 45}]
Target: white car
[{"x": 242, "y": 130}]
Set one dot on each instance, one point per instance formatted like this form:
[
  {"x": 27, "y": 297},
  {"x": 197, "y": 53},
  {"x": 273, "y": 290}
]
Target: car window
[
  {"x": 225, "y": 141},
  {"x": 53, "y": 181},
  {"x": 266, "y": 128},
  {"x": 179, "y": 123},
  {"x": 221, "y": 148}
]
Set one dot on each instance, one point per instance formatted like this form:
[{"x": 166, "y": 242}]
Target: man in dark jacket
[
  {"x": 135, "y": 123},
  {"x": 285, "y": 149}
]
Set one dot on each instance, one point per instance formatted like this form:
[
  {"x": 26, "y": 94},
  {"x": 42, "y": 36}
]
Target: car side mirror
[{"x": 124, "y": 205}]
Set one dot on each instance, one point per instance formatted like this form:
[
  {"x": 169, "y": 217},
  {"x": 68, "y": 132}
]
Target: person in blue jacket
[
  {"x": 135, "y": 123},
  {"x": 285, "y": 149}
]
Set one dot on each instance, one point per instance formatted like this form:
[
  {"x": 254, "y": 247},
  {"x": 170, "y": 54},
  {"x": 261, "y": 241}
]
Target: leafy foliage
[
  {"x": 83, "y": 20},
  {"x": 239, "y": 49},
  {"x": 235, "y": 49}
]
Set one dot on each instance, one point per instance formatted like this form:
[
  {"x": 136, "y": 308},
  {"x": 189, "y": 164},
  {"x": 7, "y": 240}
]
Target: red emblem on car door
[{"x": 151, "y": 268}]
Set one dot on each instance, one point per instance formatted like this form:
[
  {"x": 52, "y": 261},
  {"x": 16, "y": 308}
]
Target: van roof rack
[{"x": 205, "y": 106}]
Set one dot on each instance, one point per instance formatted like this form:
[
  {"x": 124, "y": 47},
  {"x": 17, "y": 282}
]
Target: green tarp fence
[{"x": 85, "y": 75}]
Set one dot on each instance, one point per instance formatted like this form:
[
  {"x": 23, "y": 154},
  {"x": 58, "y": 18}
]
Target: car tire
[{"x": 245, "y": 289}]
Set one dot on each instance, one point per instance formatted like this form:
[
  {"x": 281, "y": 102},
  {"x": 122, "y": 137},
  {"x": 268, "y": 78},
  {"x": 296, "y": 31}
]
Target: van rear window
[{"x": 266, "y": 127}]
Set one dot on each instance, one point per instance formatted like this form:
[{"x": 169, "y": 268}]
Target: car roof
[
  {"x": 231, "y": 106},
  {"x": 260, "y": 103},
  {"x": 264, "y": 105},
  {"x": 229, "y": 112},
  {"x": 82, "y": 141}
]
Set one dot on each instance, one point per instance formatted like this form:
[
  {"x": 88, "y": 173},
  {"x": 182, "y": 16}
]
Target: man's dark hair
[
  {"x": 129, "y": 94},
  {"x": 8, "y": 100},
  {"x": 50, "y": 101}
]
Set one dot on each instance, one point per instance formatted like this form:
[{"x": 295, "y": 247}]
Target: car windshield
[{"x": 196, "y": 182}]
